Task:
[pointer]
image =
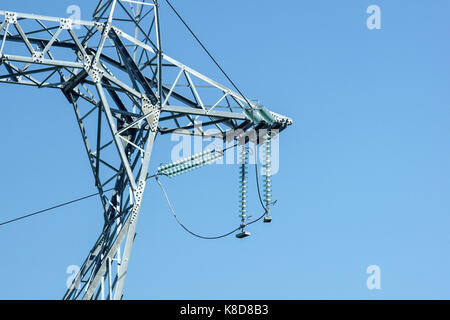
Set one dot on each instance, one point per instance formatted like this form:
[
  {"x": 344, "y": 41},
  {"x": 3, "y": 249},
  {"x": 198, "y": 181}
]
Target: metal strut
[{"x": 111, "y": 71}]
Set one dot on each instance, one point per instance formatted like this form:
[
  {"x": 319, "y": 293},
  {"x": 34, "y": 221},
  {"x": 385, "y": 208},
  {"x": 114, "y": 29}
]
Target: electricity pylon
[{"x": 111, "y": 70}]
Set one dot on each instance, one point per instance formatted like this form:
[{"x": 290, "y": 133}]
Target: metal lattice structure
[{"x": 111, "y": 70}]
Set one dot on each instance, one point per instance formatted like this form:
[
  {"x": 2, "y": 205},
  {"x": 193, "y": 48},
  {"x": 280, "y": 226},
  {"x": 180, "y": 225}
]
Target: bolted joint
[
  {"x": 104, "y": 28},
  {"x": 87, "y": 62},
  {"x": 93, "y": 69},
  {"x": 11, "y": 17},
  {"x": 152, "y": 111},
  {"x": 99, "y": 26},
  {"x": 147, "y": 105},
  {"x": 117, "y": 31},
  {"x": 65, "y": 24},
  {"x": 96, "y": 75},
  {"x": 138, "y": 193},
  {"x": 155, "y": 121},
  {"x": 38, "y": 57}
]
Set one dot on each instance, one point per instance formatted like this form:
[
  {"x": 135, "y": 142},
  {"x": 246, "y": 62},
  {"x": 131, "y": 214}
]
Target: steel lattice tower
[{"x": 111, "y": 70}]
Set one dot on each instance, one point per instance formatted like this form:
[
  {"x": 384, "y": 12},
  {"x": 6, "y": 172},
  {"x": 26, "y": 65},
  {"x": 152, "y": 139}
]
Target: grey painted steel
[{"x": 114, "y": 81}]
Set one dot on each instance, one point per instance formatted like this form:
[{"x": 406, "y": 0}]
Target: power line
[
  {"x": 155, "y": 176},
  {"x": 59, "y": 206},
  {"x": 191, "y": 232},
  {"x": 235, "y": 87},
  {"x": 51, "y": 208},
  {"x": 207, "y": 51}
]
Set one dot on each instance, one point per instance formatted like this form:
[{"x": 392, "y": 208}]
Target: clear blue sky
[{"x": 364, "y": 178}]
